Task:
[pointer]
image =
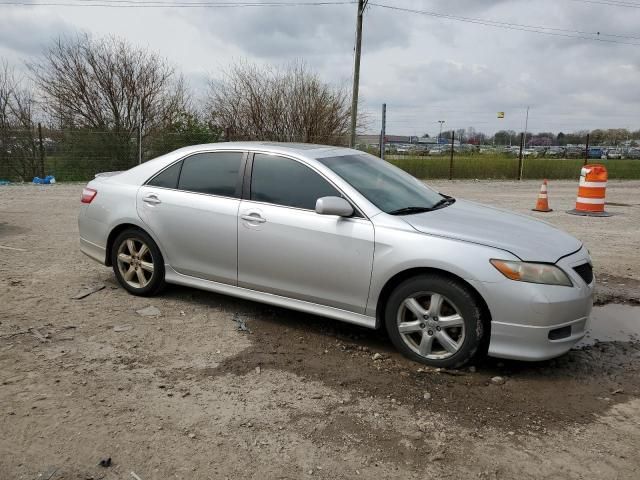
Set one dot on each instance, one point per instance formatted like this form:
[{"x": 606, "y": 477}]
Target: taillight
[{"x": 88, "y": 194}]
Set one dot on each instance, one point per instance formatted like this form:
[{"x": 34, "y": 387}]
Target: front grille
[{"x": 585, "y": 271}]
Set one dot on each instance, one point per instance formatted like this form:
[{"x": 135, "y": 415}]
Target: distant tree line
[{"x": 612, "y": 136}]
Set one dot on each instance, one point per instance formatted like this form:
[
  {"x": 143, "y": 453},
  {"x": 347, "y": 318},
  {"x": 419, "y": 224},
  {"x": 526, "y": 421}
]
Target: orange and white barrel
[{"x": 591, "y": 191}]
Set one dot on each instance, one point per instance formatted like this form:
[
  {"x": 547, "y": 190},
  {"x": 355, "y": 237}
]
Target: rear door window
[
  {"x": 168, "y": 178},
  {"x": 215, "y": 173},
  {"x": 283, "y": 181}
]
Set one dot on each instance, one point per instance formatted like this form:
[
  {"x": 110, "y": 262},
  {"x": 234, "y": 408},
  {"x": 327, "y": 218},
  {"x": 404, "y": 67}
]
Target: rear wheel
[
  {"x": 137, "y": 263},
  {"x": 434, "y": 320}
]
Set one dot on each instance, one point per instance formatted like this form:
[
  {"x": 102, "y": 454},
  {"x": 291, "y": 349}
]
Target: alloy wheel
[
  {"x": 431, "y": 325},
  {"x": 135, "y": 262}
]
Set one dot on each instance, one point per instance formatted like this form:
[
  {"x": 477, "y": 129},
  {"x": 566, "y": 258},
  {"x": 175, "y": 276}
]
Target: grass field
[{"x": 504, "y": 167}]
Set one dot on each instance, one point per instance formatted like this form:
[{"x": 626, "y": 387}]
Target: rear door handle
[
  {"x": 151, "y": 199},
  {"x": 253, "y": 218}
]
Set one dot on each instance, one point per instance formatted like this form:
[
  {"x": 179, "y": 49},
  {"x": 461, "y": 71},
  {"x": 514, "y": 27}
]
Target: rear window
[
  {"x": 215, "y": 173},
  {"x": 167, "y": 178}
]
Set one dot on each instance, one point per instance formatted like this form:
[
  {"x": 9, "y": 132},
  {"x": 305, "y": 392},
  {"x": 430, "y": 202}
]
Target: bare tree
[
  {"x": 18, "y": 150},
  {"x": 108, "y": 85},
  {"x": 288, "y": 103}
]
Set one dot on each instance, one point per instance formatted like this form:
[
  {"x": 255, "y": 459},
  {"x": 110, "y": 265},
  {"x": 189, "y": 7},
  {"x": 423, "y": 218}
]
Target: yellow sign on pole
[{"x": 500, "y": 114}]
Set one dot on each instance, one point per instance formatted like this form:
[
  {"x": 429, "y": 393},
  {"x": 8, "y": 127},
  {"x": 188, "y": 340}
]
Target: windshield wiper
[
  {"x": 446, "y": 201},
  {"x": 411, "y": 210}
]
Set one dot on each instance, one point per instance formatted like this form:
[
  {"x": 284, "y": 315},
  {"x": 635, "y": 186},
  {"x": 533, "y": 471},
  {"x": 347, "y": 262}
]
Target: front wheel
[
  {"x": 137, "y": 263},
  {"x": 434, "y": 320}
]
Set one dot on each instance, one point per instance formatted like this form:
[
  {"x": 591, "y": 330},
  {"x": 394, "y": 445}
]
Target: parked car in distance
[
  {"x": 574, "y": 152},
  {"x": 485, "y": 149},
  {"x": 554, "y": 152},
  {"x": 342, "y": 234},
  {"x": 515, "y": 150},
  {"x": 633, "y": 153},
  {"x": 597, "y": 152},
  {"x": 614, "y": 153}
]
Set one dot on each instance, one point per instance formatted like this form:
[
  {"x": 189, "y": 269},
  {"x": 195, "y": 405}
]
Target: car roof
[
  {"x": 302, "y": 149},
  {"x": 140, "y": 173}
]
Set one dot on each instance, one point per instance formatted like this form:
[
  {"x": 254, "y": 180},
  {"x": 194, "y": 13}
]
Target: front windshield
[{"x": 387, "y": 187}]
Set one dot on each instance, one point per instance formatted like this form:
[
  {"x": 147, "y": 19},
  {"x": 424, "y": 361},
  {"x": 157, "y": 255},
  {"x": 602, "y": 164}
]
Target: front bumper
[
  {"x": 521, "y": 342},
  {"x": 538, "y": 322}
]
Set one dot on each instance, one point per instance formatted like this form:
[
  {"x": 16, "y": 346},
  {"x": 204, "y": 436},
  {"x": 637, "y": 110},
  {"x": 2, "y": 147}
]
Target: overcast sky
[{"x": 425, "y": 68}]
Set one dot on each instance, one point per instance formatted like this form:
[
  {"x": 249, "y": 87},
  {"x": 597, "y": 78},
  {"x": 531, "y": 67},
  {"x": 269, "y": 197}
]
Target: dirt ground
[{"x": 182, "y": 393}]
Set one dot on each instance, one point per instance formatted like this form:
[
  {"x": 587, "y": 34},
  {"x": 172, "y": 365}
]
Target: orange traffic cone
[{"x": 542, "y": 205}]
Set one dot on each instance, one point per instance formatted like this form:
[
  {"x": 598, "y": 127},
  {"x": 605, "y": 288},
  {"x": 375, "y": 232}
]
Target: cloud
[
  {"x": 425, "y": 68},
  {"x": 298, "y": 31},
  {"x": 26, "y": 32}
]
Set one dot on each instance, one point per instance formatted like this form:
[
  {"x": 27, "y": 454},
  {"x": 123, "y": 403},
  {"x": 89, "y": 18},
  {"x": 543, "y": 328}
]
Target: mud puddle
[
  {"x": 344, "y": 357},
  {"x": 613, "y": 323}
]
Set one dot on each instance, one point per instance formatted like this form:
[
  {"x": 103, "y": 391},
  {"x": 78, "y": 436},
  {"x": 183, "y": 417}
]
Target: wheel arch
[{"x": 400, "y": 277}]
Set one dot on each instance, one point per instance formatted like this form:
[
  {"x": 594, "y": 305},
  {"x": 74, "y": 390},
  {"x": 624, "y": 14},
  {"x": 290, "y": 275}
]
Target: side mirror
[{"x": 334, "y": 206}]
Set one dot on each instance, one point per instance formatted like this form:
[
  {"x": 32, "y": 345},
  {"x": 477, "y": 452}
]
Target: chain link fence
[{"x": 77, "y": 155}]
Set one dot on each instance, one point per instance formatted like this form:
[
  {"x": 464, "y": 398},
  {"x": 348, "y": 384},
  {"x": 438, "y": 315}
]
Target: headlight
[{"x": 532, "y": 272}]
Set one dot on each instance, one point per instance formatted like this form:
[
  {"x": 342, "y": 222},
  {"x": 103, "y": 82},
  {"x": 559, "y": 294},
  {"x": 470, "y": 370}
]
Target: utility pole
[
  {"x": 356, "y": 73},
  {"x": 383, "y": 131},
  {"x": 440, "y": 134}
]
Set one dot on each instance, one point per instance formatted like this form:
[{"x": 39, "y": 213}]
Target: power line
[
  {"x": 612, "y": 3},
  {"x": 544, "y": 30},
  {"x": 559, "y": 32},
  {"x": 216, "y": 2},
  {"x": 170, "y": 4}
]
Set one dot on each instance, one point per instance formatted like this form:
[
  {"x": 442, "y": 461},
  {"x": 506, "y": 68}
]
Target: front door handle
[
  {"x": 151, "y": 199},
  {"x": 253, "y": 218}
]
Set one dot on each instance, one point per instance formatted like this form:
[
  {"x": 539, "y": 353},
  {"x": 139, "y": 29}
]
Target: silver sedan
[{"x": 342, "y": 234}]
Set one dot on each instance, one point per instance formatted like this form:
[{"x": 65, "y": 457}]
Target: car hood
[{"x": 527, "y": 238}]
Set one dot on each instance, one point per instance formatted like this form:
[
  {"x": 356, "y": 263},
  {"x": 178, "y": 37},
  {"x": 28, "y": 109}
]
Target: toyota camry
[{"x": 342, "y": 234}]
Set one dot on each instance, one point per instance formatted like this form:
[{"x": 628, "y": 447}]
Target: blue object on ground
[
  {"x": 4, "y": 182},
  {"x": 49, "y": 179}
]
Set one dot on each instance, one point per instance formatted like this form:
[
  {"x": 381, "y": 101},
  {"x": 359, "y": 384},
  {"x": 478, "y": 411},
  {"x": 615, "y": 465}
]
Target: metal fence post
[
  {"x": 586, "y": 151},
  {"x": 41, "y": 150},
  {"x": 453, "y": 134},
  {"x": 383, "y": 131},
  {"x": 520, "y": 157}
]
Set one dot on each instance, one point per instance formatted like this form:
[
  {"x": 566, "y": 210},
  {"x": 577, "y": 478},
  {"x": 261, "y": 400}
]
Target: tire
[
  {"x": 143, "y": 274},
  {"x": 449, "y": 329}
]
